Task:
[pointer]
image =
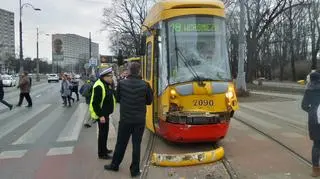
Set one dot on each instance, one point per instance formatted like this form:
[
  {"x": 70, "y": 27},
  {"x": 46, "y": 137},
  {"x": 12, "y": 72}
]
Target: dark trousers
[
  {"x": 5, "y": 103},
  {"x": 124, "y": 133},
  {"x": 316, "y": 153},
  {"x": 75, "y": 90},
  {"x": 65, "y": 98},
  {"x": 103, "y": 137},
  {"x": 28, "y": 98}
]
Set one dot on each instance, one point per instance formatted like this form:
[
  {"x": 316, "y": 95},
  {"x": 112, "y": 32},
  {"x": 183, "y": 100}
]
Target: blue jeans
[{"x": 316, "y": 153}]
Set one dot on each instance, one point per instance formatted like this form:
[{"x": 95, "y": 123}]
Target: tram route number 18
[{"x": 202, "y": 102}]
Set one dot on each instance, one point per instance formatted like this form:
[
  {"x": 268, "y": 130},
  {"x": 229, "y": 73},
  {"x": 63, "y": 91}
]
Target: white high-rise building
[
  {"x": 7, "y": 48},
  {"x": 70, "y": 52}
]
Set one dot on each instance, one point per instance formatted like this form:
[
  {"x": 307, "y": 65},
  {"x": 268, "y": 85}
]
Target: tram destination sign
[{"x": 193, "y": 27}]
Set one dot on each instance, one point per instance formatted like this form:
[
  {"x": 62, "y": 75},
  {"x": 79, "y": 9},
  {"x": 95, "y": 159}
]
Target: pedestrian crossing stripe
[
  {"x": 38, "y": 130},
  {"x": 12, "y": 154},
  {"x": 17, "y": 122},
  {"x": 72, "y": 129},
  {"x": 60, "y": 151},
  {"x": 11, "y": 113}
]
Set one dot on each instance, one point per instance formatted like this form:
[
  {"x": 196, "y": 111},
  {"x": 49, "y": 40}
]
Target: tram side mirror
[{"x": 143, "y": 45}]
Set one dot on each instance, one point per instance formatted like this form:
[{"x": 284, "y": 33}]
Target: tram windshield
[{"x": 198, "y": 44}]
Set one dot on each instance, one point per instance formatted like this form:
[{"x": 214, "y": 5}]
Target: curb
[{"x": 179, "y": 160}]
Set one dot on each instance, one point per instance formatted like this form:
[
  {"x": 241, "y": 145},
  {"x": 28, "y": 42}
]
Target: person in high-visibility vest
[
  {"x": 133, "y": 94},
  {"x": 102, "y": 104}
]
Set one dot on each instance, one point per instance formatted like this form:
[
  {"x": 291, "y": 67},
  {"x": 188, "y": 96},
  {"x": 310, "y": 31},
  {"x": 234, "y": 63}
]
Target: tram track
[
  {"x": 286, "y": 147},
  {"x": 147, "y": 156}
]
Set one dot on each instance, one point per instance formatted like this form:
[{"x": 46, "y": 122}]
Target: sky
[{"x": 58, "y": 16}]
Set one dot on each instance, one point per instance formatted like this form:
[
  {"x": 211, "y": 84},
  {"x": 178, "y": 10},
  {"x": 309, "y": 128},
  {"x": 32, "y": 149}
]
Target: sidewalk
[
  {"x": 282, "y": 95},
  {"x": 278, "y": 84}
]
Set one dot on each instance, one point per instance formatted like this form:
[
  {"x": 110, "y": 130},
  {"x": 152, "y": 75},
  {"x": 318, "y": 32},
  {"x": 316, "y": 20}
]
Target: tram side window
[{"x": 149, "y": 58}]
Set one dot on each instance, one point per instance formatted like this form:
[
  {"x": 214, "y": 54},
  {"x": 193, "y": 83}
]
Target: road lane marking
[
  {"x": 38, "y": 96},
  {"x": 15, "y": 123},
  {"x": 256, "y": 120},
  {"x": 12, "y": 154},
  {"x": 72, "y": 130},
  {"x": 39, "y": 129},
  {"x": 60, "y": 151}
]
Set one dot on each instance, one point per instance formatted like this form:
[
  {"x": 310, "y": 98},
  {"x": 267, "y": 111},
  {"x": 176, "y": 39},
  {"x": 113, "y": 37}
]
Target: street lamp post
[
  {"x": 20, "y": 31},
  {"x": 38, "y": 77}
]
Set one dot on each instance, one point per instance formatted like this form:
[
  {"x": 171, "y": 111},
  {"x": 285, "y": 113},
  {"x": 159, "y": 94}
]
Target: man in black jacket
[
  {"x": 133, "y": 94},
  {"x": 2, "y": 94}
]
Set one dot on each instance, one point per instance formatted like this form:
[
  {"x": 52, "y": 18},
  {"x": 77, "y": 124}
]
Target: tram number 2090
[{"x": 202, "y": 102}]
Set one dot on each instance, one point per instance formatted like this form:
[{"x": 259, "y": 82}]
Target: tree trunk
[
  {"x": 251, "y": 58},
  {"x": 282, "y": 60}
]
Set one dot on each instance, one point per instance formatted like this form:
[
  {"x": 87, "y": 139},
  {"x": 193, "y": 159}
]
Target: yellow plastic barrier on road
[{"x": 172, "y": 160}]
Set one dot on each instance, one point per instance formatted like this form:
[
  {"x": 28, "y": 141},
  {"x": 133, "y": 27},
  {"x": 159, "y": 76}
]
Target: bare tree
[
  {"x": 260, "y": 16},
  {"x": 124, "y": 19},
  {"x": 314, "y": 15}
]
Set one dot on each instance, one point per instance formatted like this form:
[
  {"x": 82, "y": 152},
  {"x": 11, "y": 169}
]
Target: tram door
[{"x": 149, "y": 77}]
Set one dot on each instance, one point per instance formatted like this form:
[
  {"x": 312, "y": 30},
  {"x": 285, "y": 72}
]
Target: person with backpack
[
  {"x": 86, "y": 92},
  {"x": 311, "y": 104}
]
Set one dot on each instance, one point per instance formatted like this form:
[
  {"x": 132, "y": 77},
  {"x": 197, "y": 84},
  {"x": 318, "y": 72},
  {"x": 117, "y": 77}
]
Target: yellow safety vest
[{"x": 93, "y": 114}]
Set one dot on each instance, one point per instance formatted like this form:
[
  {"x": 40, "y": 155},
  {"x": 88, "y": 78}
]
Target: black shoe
[
  {"x": 135, "y": 174},
  {"x": 87, "y": 125},
  {"x": 29, "y": 106},
  {"x": 18, "y": 105},
  {"x": 105, "y": 157},
  {"x": 10, "y": 107},
  {"x": 109, "y": 151},
  {"x": 111, "y": 167}
]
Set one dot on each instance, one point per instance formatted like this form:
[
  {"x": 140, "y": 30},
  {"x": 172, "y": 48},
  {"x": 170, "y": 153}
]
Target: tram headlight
[
  {"x": 230, "y": 93},
  {"x": 173, "y": 93}
]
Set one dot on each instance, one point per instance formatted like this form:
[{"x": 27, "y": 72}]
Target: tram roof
[{"x": 178, "y": 4}]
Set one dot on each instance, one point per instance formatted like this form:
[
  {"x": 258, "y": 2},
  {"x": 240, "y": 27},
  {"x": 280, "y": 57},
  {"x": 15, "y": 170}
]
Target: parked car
[
  {"x": 8, "y": 80},
  {"x": 77, "y": 76},
  {"x": 53, "y": 77}
]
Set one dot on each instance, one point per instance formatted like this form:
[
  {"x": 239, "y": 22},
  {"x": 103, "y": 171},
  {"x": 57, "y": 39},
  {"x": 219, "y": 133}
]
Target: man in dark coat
[
  {"x": 133, "y": 94},
  {"x": 310, "y": 104},
  {"x": 2, "y": 94}
]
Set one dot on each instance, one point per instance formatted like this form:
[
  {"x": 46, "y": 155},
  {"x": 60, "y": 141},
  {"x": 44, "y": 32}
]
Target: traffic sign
[
  {"x": 93, "y": 62},
  {"x": 86, "y": 66}
]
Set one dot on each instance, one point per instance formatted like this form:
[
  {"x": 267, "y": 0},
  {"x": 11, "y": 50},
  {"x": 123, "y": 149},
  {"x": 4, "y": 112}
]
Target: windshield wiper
[{"x": 184, "y": 60}]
